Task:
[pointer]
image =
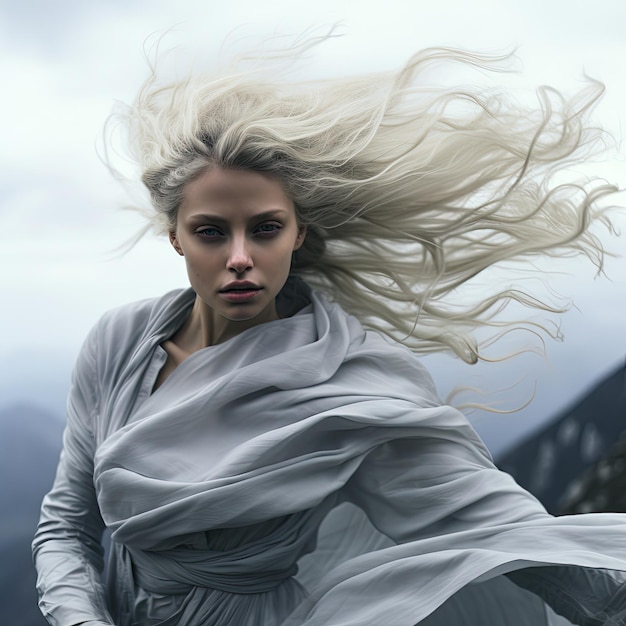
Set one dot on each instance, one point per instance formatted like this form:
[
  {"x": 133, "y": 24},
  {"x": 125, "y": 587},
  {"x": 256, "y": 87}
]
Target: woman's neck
[{"x": 204, "y": 327}]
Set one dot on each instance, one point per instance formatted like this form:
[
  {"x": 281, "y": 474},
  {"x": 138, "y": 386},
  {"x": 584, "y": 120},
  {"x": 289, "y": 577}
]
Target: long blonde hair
[{"x": 408, "y": 190}]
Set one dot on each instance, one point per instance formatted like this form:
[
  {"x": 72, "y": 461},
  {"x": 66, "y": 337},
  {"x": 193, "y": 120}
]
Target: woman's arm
[
  {"x": 415, "y": 488},
  {"x": 428, "y": 488},
  {"x": 67, "y": 547}
]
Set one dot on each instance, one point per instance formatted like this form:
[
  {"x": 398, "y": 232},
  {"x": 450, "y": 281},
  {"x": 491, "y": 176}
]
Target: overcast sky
[{"x": 65, "y": 63}]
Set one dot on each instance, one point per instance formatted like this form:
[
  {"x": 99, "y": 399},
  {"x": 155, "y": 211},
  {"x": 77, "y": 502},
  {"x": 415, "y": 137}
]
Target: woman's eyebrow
[{"x": 217, "y": 219}]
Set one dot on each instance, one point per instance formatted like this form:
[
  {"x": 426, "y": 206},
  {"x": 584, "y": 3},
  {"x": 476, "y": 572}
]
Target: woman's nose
[{"x": 239, "y": 258}]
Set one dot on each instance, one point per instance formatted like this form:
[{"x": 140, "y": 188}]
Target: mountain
[
  {"x": 551, "y": 462},
  {"x": 30, "y": 440},
  {"x": 602, "y": 488}
]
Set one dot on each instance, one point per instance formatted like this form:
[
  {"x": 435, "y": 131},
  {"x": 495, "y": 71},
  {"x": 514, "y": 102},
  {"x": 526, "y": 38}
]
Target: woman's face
[{"x": 237, "y": 230}]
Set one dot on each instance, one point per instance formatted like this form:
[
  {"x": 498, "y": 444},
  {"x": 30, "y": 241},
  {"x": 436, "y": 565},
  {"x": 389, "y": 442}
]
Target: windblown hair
[{"x": 407, "y": 190}]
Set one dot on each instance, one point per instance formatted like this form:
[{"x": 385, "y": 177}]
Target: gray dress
[{"x": 301, "y": 473}]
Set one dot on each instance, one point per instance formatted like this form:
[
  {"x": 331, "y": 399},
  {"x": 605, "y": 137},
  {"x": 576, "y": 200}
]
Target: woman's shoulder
[
  {"x": 389, "y": 366},
  {"x": 142, "y": 317},
  {"x": 400, "y": 364}
]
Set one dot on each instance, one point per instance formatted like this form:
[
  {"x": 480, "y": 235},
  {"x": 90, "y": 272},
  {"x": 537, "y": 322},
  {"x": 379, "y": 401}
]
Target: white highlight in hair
[{"x": 408, "y": 190}]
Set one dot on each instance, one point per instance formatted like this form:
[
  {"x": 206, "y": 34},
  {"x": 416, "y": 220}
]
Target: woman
[{"x": 260, "y": 445}]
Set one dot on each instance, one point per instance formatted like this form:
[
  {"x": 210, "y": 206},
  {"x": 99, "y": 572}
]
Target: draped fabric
[{"x": 301, "y": 473}]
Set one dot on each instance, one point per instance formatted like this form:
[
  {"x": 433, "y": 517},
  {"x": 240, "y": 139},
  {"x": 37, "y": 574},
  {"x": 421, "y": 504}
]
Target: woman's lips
[{"x": 240, "y": 295}]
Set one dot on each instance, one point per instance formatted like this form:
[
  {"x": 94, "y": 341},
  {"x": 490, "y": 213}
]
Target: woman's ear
[
  {"x": 175, "y": 243},
  {"x": 300, "y": 238}
]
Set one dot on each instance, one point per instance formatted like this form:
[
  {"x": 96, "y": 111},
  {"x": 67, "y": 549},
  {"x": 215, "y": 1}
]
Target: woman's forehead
[{"x": 220, "y": 192}]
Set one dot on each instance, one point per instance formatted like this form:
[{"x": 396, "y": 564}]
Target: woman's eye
[
  {"x": 209, "y": 233},
  {"x": 266, "y": 230}
]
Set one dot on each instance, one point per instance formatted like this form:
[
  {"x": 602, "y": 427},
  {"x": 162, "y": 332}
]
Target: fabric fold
[{"x": 307, "y": 468}]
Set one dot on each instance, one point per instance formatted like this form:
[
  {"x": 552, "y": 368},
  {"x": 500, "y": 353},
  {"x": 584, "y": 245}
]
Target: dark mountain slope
[
  {"x": 550, "y": 463},
  {"x": 30, "y": 440}
]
